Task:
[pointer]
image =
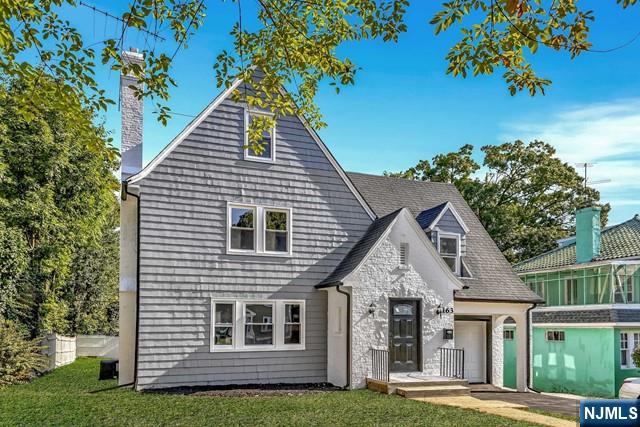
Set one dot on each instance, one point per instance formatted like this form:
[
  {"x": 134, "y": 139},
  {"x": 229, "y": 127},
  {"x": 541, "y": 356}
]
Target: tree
[
  {"x": 296, "y": 44},
  {"x": 526, "y": 199},
  {"x": 57, "y": 199}
]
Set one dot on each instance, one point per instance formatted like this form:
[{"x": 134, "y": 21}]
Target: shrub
[
  {"x": 20, "y": 356},
  {"x": 635, "y": 356}
]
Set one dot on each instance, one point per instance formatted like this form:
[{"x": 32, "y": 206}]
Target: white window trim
[
  {"x": 458, "y": 247},
  {"x": 247, "y": 152},
  {"x": 230, "y": 207},
  {"x": 631, "y": 345},
  {"x": 213, "y": 325},
  {"x": 260, "y": 230},
  {"x": 278, "y": 318},
  {"x": 264, "y": 230}
]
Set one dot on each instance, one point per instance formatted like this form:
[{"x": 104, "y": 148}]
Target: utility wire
[
  {"x": 565, "y": 45},
  {"x": 186, "y": 32},
  {"x": 108, "y": 15}
]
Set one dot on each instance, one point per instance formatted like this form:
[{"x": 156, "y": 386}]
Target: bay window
[{"x": 239, "y": 325}]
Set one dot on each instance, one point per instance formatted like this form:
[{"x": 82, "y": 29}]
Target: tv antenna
[{"x": 586, "y": 167}]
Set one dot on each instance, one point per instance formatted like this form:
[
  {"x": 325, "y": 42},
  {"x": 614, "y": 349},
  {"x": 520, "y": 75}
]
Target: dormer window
[
  {"x": 449, "y": 248},
  {"x": 266, "y": 152}
]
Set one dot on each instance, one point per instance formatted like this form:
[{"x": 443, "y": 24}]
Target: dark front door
[{"x": 404, "y": 335}]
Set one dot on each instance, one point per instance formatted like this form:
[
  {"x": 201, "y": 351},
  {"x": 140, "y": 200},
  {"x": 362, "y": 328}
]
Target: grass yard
[{"x": 72, "y": 395}]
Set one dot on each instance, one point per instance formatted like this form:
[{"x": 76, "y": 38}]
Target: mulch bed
[{"x": 251, "y": 390}]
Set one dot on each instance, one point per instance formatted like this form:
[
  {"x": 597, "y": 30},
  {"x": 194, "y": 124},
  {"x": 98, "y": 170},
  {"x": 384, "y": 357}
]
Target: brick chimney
[
  {"x": 131, "y": 113},
  {"x": 587, "y": 234}
]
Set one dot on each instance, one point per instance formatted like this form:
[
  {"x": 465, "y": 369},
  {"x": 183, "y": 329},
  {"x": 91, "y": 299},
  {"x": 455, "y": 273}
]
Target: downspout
[
  {"x": 348, "y": 295},
  {"x": 529, "y": 381},
  {"x": 125, "y": 187}
]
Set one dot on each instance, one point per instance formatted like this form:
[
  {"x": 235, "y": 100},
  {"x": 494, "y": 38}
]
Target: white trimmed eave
[
  {"x": 455, "y": 280},
  {"x": 185, "y": 133},
  {"x": 449, "y": 207},
  {"x": 210, "y": 108},
  {"x": 482, "y": 308}
]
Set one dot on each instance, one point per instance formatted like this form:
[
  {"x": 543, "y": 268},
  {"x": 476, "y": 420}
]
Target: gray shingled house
[{"x": 239, "y": 268}]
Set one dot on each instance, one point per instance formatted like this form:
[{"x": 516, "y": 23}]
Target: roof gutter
[
  {"x": 505, "y": 301},
  {"x": 125, "y": 193},
  {"x": 348, "y": 334}
]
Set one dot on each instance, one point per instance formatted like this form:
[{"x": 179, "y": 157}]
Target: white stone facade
[{"x": 381, "y": 278}]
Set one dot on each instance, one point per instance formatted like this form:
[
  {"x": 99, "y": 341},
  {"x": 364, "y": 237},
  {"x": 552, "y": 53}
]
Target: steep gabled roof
[
  {"x": 208, "y": 110},
  {"x": 620, "y": 241},
  {"x": 428, "y": 216},
  {"x": 493, "y": 279},
  {"x": 360, "y": 250}
]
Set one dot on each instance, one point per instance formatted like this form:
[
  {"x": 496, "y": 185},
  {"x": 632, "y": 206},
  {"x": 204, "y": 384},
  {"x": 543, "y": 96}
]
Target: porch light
[{"x": 372, "y": 308}]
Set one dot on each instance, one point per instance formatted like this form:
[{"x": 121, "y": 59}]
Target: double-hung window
[
  {"x": 276, "y": 230},
  {"x": 223, "y": 321},
  {"x": 628, "y": 342},
  {"x": 242, "y": 235},
  {"x": 508, "y": 334},
  {"x": 292, "y": 323},
  {"x": 571, "y": 291},
  {"x": 449, "y": 248},
  {"x": 258, "y": 230},
  {"x": 263, "y": 150},
  {"x": 248, "y": 325}
]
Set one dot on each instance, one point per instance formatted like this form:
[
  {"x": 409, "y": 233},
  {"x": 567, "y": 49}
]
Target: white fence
[
  {"x": 60, "y": 350},
  {"x": 63, "y": 350},
  {"x": 97, "y": 346}
]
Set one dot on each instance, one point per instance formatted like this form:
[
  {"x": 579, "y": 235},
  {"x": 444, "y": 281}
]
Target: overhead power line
[
  {"x": 108, "y": 15},
  {"x": 565, "y": 45}
]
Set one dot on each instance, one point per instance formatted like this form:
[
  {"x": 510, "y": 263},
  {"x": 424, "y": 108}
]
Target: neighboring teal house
[{"x": 584, "y": 335}]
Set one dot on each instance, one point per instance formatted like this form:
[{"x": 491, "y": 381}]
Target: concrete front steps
[{"x": 420, "y": 387}]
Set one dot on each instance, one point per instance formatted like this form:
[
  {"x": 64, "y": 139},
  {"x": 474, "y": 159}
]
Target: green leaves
[
  {"x": 58, "y": 213},
  {"x": 505, "y": 33}
]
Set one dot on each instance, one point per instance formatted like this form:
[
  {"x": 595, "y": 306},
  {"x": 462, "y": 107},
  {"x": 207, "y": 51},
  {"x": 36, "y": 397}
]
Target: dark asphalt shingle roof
[
  {"x": 493, "y": 279},
  {"x": 360, "y": 250},
  {"x": 426, "y": 217},
  {"x": 617, "y": 242}
]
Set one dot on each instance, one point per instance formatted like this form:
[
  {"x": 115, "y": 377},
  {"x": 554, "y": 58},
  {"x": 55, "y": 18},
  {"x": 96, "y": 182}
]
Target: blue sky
[{"x": 404, "y": 107}]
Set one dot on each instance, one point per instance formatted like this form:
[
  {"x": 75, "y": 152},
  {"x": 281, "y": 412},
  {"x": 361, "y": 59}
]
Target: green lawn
[{"x": 73, "y": 396}]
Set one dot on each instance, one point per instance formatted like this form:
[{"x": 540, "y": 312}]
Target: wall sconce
[{"x": 372, "y": 308}]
